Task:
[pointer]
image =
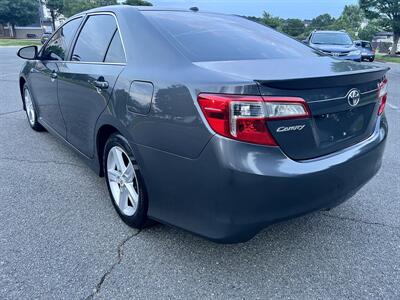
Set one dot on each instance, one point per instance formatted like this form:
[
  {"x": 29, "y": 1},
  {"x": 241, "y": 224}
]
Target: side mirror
[
  {"x": 304, "y": 42},
  {"x": 29, "y": 52}
]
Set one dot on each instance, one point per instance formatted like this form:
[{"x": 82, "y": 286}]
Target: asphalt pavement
[{"x": 61, "y": 239}]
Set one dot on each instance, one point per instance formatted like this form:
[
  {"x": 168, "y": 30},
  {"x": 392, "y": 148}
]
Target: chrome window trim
[
  {"x": 85, "y": 16},
  {"x": 340, "y": 98},
  {"x": 90, "y": 62},
  {"x": 58, "y": 29},
  {"x": 118, "y": 28}
]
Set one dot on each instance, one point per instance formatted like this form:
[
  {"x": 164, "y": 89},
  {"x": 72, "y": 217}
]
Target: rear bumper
[
  {"x": 233, "y": 190},
  {"x": 368, "y": 56}
]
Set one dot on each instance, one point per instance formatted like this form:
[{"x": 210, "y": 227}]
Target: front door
[
  {"x": 44, "y": 76},
  {"x": 44, "y": 90}
]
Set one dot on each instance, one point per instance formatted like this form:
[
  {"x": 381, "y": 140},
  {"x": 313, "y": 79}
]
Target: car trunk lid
[
  {"x": 336, "y": 122},
  {"x": 343, "y": 112},
  {"x": 329, "y": 87}
]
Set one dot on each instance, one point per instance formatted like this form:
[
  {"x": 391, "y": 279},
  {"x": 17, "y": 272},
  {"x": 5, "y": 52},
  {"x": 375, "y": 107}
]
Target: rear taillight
[
  {"x": 382, "y": 95},
  {"x": 245, "y": 118}
]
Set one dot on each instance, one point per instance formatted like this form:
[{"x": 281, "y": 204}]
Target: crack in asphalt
[
  {"x": 120, "y": 256},
  {"x": 11, "y": 112},
  {"x": 120, "y": 250},
  {"x": 360, "y": 221},
  {"x": 41, "y": 162}
]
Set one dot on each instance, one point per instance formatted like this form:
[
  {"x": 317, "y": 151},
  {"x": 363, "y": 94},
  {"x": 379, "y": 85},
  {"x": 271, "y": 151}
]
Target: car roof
[
  {"x": 122, "y": 8},
  {"x": 330, "y": 31}
]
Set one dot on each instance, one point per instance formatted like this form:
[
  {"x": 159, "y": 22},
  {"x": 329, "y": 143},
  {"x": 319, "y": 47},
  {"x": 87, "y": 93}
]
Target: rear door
[{"x": 86, "y": 81}]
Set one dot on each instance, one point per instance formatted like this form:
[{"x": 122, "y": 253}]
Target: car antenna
[{"x": 194, "y": 8}]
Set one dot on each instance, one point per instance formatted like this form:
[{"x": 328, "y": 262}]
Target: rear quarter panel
[{"x": 174, "y": 123}]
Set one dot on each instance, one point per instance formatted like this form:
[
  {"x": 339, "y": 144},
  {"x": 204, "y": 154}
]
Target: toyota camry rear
[{"x": 208, "y": 122}]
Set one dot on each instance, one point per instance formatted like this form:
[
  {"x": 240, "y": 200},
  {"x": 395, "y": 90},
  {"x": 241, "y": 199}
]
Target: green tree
[
  {"x": 350, "y": 20},
  {"x": 21, "y": 12},
  {"x": 56, "y": 8},
  {"x": 388, "y": 12},
  {"x": 253, "y": 18},
  {"x": 322, "y": 22},
  {"x": 271, "y": 21},
  {"x": 138, "y": 3},
  {"x": 72, "y": 7},
  {"x": 98, "y": 3},
  {"x": 293, "y": 27},
  {"x": 368, "y": 32}
]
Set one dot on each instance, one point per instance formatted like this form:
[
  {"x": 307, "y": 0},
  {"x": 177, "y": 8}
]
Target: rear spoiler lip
[{"x": 340, "y": 79}]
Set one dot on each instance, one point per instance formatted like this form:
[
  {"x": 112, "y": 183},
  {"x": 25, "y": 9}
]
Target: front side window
[
  {"x": 94, "y": 39},
  {"x": 57, "y": 47},
  {"x": 331, "y": 38},
  {"x": 115, "y": 53}
]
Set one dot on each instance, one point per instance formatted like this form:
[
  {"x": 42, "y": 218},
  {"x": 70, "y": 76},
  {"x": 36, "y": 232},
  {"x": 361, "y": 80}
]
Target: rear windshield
[
  {"x": 366, "y": 45},
  {"x": 213, "y": 37},
  {"x": 331, "y": 38}
]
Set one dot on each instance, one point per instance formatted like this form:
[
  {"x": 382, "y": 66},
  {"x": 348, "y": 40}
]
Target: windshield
[
  {"x": 331, "y": 38},
  {"x": 215, "y": 37}
]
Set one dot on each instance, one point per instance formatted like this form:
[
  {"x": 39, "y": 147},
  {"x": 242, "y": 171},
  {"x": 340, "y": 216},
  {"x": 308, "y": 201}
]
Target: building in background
[
  {"x": 4, "y": 32},
  {"x": 383, "y": 41},
  {"x": 35, "y": 30},
  {"x": 383, "y": 36}
]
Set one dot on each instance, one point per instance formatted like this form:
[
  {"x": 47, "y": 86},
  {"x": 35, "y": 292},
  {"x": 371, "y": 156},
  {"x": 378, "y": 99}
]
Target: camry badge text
[{"x": 291, "y": 128}]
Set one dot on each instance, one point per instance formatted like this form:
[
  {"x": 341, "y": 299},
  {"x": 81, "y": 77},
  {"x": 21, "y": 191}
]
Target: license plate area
[{"x": 343, "y": 126}]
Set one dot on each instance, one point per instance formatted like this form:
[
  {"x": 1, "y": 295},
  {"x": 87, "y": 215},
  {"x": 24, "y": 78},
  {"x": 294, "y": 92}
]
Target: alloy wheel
[
  {"x": 123, "y": 181},
  {"x": 30, "y": 110}
]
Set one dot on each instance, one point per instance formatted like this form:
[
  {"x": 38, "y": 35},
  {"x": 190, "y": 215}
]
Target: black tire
[
  {"x": 32, "y": 120},
  {"x": 371, "y": 59},
  {"x": 139, "y": 218}
]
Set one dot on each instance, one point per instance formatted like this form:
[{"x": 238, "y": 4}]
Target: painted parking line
[
  {"x": 393, "y": 106},
  {"x": 9, "y": 75}
]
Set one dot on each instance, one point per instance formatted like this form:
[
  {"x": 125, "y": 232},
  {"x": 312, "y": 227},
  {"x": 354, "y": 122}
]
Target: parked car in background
[
  {"x": 334, "y": 43},
  {"x": 47, "y": 32},
  {"x": 367, "y": 53},
  {"x": 208, "y": 122}
]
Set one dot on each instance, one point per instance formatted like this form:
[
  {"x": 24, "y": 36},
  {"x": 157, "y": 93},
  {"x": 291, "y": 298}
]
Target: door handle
[
  {"x": 53, "y": 75},
  {"x": 101, "y": 84}
]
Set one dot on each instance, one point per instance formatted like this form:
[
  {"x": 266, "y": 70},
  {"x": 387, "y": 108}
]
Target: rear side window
[
  {"x": 94, "y": 39},
  {"x": 213, "y": 37},
  {"x": 57, "y": 47},
  {"x": 115, "y": 53}
]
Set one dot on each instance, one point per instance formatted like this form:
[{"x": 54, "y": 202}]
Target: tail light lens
[
  {"x": 245, "y": 118},
  {"x": 382, "y": 95}
]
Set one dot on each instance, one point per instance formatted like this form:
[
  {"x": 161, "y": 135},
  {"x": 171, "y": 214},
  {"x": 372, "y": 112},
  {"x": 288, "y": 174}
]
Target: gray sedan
[{"x": 208, "y": 122}]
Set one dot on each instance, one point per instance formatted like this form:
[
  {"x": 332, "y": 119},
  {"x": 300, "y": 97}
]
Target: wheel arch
[
  {"x": 106, "y": 126},
  {"x": 102, "y": 136},
  {"x": 22, "y": 82}
]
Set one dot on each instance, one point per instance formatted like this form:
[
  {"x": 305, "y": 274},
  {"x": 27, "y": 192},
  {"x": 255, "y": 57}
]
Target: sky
[{"x": 302, "y": 9}]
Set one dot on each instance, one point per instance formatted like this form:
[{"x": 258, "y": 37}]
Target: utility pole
[{"x": 40, "y": 14}]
